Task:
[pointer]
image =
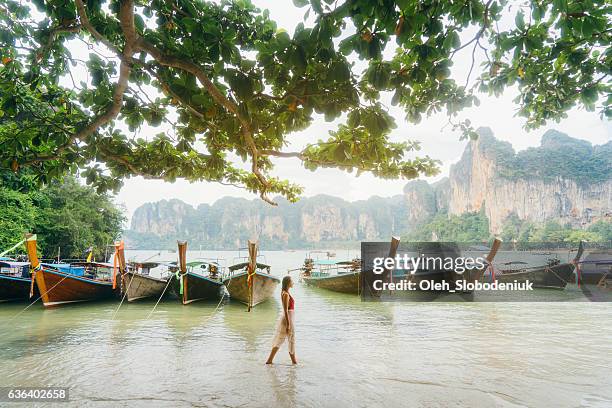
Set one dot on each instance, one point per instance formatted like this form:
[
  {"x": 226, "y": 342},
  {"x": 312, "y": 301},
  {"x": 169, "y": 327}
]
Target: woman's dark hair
[{"x": 286, "y": 282}]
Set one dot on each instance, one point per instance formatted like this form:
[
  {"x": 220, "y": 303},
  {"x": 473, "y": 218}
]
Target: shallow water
[{"x": 350, "y": 353}]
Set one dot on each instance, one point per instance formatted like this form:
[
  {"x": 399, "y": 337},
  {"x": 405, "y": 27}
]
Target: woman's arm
[{"x": 285, "y": 298}]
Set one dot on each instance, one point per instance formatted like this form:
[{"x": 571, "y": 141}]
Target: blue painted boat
[{"x": 15, "y": 280}]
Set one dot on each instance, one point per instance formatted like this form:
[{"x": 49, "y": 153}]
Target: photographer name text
[{"x": 454, "y": 286}]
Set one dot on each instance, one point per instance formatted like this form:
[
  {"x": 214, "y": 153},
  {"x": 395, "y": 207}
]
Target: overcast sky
[{"x": 439, "y": 143}]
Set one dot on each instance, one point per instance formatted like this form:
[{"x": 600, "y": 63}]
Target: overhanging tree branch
[
  {"x": 218, "y": 97},
  {"x": 127, "y": 24},
  {"x": 92, "y": 30}
]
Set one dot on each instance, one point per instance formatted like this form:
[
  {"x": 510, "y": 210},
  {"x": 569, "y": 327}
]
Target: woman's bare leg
[
  {"x": 272, "y": 354},
  {"x": 293, "y": 359}
]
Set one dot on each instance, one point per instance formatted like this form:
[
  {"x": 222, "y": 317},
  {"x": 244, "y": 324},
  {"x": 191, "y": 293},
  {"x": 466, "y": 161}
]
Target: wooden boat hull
[
  {"x": 196, "y": 287},
  {"x": 15, "y": 288},
  {"x": 58, "y": 288},
  {"x": 141, "y": 286},
  {"x": 546, "y": 277},
  {"x": 264, "y": 286},
  {"x": 343, "y": 283},
  {"x": 594, "y": 267}
]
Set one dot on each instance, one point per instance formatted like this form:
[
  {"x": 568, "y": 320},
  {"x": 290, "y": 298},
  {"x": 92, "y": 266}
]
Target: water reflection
[
  {"x": 282, "y": 378},
  {"x": 252, "y": 327}
]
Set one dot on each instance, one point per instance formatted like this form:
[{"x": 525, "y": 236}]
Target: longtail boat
[
  {"x": 139, "y": 284},
  {"x": 594, "y": 267},
  {"x": 474, "y": 275},
  {"x": 136, "y": 280},
  {"x": 15, "y": 280},
  {"x": 250, "y": 282},
  {"x": 191, "y": 285},
  {"x": 436, "y": 273},
  {"x": 82, "y": 281},
  {"x": 338, "y": 276},
  {"x": 553, "y": 275}
]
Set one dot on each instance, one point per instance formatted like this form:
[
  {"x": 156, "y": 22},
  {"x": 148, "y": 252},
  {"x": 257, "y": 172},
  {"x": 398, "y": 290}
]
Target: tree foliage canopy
[
  {"x": 233, "y": 84},
  {"x": 67, "y": 217}
]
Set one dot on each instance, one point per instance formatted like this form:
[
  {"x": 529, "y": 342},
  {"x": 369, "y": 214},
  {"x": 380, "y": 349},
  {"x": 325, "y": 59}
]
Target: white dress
[{"x": 281, "y": 331}]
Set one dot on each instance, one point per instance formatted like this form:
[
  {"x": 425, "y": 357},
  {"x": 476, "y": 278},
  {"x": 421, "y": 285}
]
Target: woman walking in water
[{"x": 285, "y": 328}]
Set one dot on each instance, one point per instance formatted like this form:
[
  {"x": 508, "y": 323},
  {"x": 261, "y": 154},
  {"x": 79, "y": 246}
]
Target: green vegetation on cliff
[
  {"x": 520, "y": 231},
  {"x": 468, "y": 227},
  {"x": 474, "y": 227},
  {"x": 558, "y": 156}
]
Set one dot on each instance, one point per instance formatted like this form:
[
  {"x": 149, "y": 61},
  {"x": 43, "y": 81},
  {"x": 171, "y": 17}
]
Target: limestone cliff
[
  {"x": 161, "y": 218},
  {"x": 230, "y": 222},
  {"x": 533, "y": 184}
]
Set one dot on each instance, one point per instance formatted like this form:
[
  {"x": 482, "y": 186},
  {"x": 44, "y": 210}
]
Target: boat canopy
[
  {"x": 193, "y": 264},
  {"x": 146, "y": 265},
  {"x": 5, "y": 263},
  {"x": 597, "y": 262},
  {"x": 478, "y": 248},
  {"x": 243, "y": 265},
  {"x": 60, "y": 266},
  {"x": 15, "y": 268},
  {"x": 93, "y": 264},
  {"x": 331, "y": 262},
  {"x": 66, "y": 268},
  {"x": 170, "y": 265}
]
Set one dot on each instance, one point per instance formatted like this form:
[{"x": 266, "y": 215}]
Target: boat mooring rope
[
  {"x": 160, "y": 298},
  {"x": 17, "y": 245},
  {"x": 37, "y": 299},
  {"x": 556, "y": 274},
  {"x": 162, "y": 295},
  {"x": 216, "y": 308},
  {"x": 124, "y": 296}
]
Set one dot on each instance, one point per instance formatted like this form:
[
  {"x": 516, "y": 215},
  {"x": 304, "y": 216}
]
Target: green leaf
[
  {"x": 283, "y": 39},
  {"x": 200, "y": 99},
  {"x": 316, "y": 6},
  {"x": 519, "y": 20},
  {"x": 241, "y": 85},
  {"x": 139, "y": 23}
]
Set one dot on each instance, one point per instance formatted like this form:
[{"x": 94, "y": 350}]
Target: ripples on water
[{"x": 351, "y": 353}]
